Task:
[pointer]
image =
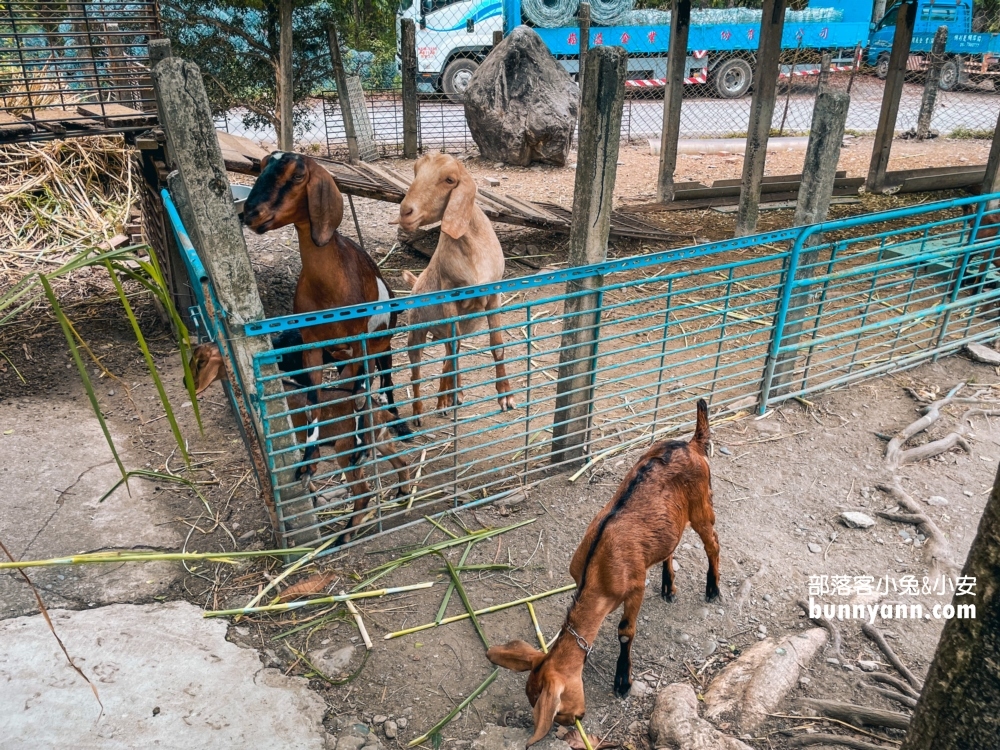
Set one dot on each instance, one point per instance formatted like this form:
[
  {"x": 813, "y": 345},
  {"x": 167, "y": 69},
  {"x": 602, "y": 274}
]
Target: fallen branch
[
  {"x": 901, "y": 686},
  {"x": 879, "y": 640},
  {"x": 93, "y": 558},
  {"x": 831, "y": 739},
  {"x": 357, "y": 619},
  {"x": 872, "y": 717},
  {"x": 833, "y": 630},
  {"x": 937, "y": 544},
  {"x": 314, "y": 602}
]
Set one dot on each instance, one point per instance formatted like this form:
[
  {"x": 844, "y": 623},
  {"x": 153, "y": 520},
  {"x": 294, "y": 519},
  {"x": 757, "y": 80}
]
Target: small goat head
[
  {"x": 554, "y": 697},
  {"x": 206, "y": 366},
  {"x": 294, "y": 189},
  {"x": 442, "y": 190}
]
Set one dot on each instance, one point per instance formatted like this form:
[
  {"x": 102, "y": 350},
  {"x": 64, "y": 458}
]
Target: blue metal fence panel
[{"x": 746, "y": 324}]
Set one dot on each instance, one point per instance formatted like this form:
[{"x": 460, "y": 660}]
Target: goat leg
[
  {"x": 667, "y": 589},
  {"x": 414, "y": 349},
  {"x": 504, "y": 397},
  {"x": 448, "y": 391},
  {"x": 626, "y": 635},
  {"x": 312, "y": 361}
]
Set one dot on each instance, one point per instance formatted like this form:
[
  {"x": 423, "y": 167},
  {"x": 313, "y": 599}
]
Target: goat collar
[{"x": 580, "y": 640}]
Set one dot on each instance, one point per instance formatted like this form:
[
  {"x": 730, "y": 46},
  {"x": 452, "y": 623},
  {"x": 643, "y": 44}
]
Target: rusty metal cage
[{"x": 75, "y": 68}]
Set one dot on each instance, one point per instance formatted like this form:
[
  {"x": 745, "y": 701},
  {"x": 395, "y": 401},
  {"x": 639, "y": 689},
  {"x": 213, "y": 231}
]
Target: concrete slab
[
  {"x": 54, "y": 466},
  {"x": 167, "y": 678}
]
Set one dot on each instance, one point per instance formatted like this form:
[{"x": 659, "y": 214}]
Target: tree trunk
[
  {"x": 960, "y": 704},
  {"x": 285, "y": 79}
]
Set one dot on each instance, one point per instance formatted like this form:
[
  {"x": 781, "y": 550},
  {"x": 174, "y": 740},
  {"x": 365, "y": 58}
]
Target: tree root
[
  {"x": 876, "y": 636},
  {"x": 831, "y": 739},
  {"x": 937, "y": 544},
  {"x": 903, "y": 700},
  {"x": 835, "y": 640},
  {"x": 895, "y": 456},
  {"x": 857, "y": 715},
  {"x": 901, "y": 686}
]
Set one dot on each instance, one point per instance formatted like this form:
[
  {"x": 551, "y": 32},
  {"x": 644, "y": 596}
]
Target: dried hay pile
[{"x": 60, "y": 198}]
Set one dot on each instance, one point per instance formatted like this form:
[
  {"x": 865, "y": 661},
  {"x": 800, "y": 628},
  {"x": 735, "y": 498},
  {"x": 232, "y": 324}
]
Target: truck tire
[
  {"x": 882, "y": 66},
  {"x": 456, "y": 77},
  {"x": 950, "y": 75},
  {"x": 733, "y": 78}
]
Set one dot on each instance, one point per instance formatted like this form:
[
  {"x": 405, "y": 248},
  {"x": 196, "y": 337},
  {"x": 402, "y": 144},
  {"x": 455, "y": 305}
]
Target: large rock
[
  {"x": 675, "y": 723},
  {"x": 513, "y": 738},
  {"x": 521, "y": 105}
]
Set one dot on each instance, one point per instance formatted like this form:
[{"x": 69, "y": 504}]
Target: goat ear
[
  {"x": 458, "y": 213},
  {"x": 546, "y": 708},
  {"x": 206, "y": 366},
  {"x": 326, "y": 205},
  {"x": 409, "y": 278},
  {"x": 516, "y": 656}
]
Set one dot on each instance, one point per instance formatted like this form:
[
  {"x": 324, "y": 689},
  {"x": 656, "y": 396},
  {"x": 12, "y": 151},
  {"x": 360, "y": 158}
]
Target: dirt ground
[{"x": 779, "y": 482}]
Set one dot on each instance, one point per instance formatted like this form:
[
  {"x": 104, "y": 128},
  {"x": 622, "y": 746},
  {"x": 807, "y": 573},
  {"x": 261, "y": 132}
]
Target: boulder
[{"x": 521, "y": 106}]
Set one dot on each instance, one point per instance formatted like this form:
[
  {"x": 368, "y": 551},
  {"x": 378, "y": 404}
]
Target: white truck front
[{"x": 453, "y": 37}]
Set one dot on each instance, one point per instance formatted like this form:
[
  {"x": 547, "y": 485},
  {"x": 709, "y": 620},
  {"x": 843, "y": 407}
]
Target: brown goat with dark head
[
  {"x": 294, "y": 189},
  {"x": 337, "y": 429},
  {"x": 641, "y": 526}
]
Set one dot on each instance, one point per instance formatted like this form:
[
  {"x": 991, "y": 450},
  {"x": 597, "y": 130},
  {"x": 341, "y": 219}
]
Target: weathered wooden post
[
  {"x": 761, "y": 113},
  {"x": 593, "y": 193},
  {"x": 408, "y": 50},
  {"x": 344, "y": 95},
  {"x": 680, "y": 25},
  {"x": 286, "y": 77},
  {"x": 825, "y": 62},
  {"x": 584, "y": 18},
  {"x": 819, "y": 172},
  {"x": 992, "y": 182},
  {"x": 890, "y": 96},
  {"x": 201, "y": 191},
  {"x": 931, "y": 84}
]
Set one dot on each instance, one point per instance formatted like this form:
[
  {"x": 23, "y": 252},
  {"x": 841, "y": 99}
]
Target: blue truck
[
  {"x": 453, "y": 37},
  {"x": 971, "y": 57}
]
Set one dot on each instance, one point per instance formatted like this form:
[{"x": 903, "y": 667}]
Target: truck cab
[{"x": 453, "y": 37}]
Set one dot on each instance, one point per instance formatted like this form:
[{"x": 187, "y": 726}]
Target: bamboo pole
[
  {"x": 119, "y": 557},
  {"x": 465, "y": 600},
  {"x": 361, "y": 623},
  {"x": 485, "y": 611},
  {"x": 455, "y": 711},
  {"x": 287, "y": 606},
  {"x": 288, "y": 571},
  {"x": 451, "y": 584}
]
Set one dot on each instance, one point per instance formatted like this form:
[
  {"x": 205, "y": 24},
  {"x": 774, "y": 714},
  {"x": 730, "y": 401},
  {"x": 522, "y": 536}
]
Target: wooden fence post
[
  {"x": 286, "y": 77},
  {"x": 772, "y": 25},
  {"x": 890, "y": 96},
  {"x": 826, "y": 135},
  {"x": 680, "y": 25},
  {"x": 584, "y": 18},
  {"x": 408, "y": 49},
  {"x": 931, "y": 84},
  {"x": 343, "y": 94},
  {"x": 593, "y": 194},
  {"x": 205, "y": 203}
]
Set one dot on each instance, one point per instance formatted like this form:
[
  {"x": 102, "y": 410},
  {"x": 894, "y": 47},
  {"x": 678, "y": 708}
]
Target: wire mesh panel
[
  {"x": 76, "y": 68},
  {"x": 744, "y": 323}
]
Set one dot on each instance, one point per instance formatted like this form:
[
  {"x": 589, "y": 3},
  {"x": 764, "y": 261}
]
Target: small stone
[
  {"x": 350, "y": 742},
  {"x": 868, "y": 666},
  {"x": 380, "y": 719},
  {"x": 390, "y": 730},
  {"x": 814, "y": 548},
  {"x": 854, "y": 520},
  {"x": 904, "y": 533},
  {"x": 493, "y": 181},
  {"x": 709, "y": 649},
  {"x": 246, "y": 536},
  {"x": 767, "y": 597},
  {"x": 401, "y": 722},
  {"x": 937, "y": 500},
  {"x": 331, "y": 660},
  {"x": 762, "y": 629},
  {"x": 967, "y": 493},
  {"x": 639, "y": 688},
  {"x": 833, "y": 660},
  {"x": 984, "y": 354},
  {"x": 848, "y": 667},
  {"x": 725, "y": 451},
  {"x": 111, "y": 393},
  {"x": 803, "y": 680}
]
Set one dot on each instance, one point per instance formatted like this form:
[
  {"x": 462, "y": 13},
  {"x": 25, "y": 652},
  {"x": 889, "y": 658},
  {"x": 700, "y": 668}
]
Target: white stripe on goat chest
[{"x": 382, "y": 319}]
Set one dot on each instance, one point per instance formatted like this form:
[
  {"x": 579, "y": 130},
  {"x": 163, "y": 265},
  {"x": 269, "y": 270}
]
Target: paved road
[{"x": 443, "y": 122}]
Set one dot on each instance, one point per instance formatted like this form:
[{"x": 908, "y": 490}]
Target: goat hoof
[
  {"x": 402, "y": 430},
  {"x": 507, "y": 403},
  {"x": 668, "y": 597},
  {"x": 712, "y": 594},
  {"x": 622, "y": 687}
]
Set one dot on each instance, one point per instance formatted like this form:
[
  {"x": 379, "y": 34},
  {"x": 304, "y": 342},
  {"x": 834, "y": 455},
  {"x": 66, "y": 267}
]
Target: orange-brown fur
[
  {"x": 668, "y": 488},
  {"x": 337, "y": 428},
  {"x": 468, "y": 253},
  {"x": 295, "y": 189}
]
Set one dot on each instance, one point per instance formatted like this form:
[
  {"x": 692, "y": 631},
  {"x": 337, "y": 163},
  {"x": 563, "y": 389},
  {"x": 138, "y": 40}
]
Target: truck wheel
[
  {"x": 456, "y": 78},
  {"x": 882, "y": 66},
  {"x": 949, "y": 75},
  {"x": 733, "y": 78}
]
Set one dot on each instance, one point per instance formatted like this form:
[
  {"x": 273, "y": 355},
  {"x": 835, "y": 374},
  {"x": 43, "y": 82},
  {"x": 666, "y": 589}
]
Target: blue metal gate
[{"x": 745, "y": 323}]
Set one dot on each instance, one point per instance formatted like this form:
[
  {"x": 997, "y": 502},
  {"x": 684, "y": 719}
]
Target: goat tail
[{"x": 702, "y": 431}]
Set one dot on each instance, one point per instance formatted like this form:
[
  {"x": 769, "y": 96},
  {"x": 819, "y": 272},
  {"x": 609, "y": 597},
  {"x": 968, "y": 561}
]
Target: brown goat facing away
[
  {"x": 468, "y": 253},
  {"x": 336, "y": 414},
  {"x": 294, "y": 189},
  {"x": 641, "y": 526}
]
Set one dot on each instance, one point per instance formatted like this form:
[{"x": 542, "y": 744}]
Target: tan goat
[{"x": 468, "y": 254}]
